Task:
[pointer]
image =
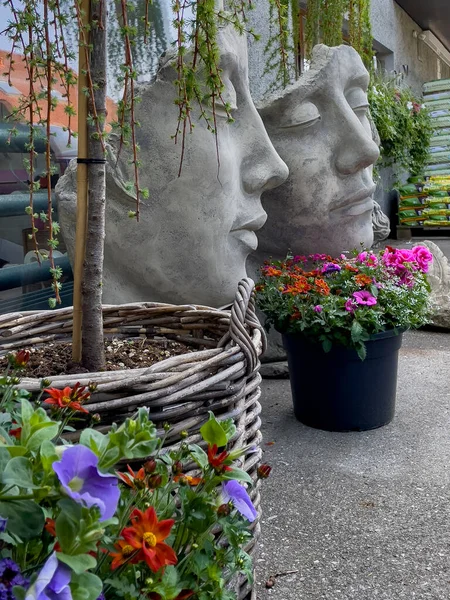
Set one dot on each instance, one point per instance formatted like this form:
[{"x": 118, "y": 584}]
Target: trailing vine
[
  {"x": 328, "y": 22},
  {"x": 404, "y": 126}
]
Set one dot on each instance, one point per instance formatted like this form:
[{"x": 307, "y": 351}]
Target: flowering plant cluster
[
  {"x": 346, "y": 300},
  {"x": 78, "y": 523},
  {"x": 404, "y": 125}
]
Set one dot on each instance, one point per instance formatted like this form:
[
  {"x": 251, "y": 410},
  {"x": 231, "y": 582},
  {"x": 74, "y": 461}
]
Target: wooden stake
[{"x": 82, "y": 190}]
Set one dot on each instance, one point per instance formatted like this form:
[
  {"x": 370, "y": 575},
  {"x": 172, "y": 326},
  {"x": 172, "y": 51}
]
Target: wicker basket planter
[{"x": 221, "y": 374}]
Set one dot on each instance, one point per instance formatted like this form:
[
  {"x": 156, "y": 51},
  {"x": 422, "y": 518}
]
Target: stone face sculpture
[
  {"x": 196, "y": 230},
  {"x": 320, "y": 128},
  {"x": 439, "y": 280}
]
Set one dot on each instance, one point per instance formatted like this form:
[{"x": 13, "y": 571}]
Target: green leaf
[
  {"x": 237, "y": 475},
  {"x": 45, "y": 432},
  {"x": 229, "y": 428},
  {"x": 25, "y": 518},
  {"x": 327, "y": 345},
  {"x": 374, "y": 290},
  {"x": 4, "y": 458},
  {"x": 168, "y": 588},
  {"x": 356, "y": 331},
  {"x": 67, "y": 523},
  {"x": 19, "y": 592},
  {"x": 213, "y": 433},
  {"x": 199, "y": 455},
  {"x": 48, "y": 455},
  {"x": 361, "y": 350},
  {"x": 85, "y": 586},
  {"x": 19, "y": 472},
  {"x": 79, "y": 563},
  {"x": 94, "y": 440}
]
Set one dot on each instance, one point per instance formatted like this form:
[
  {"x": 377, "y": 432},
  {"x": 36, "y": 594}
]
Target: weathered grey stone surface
[
  {"x": 275, "y": 370},
  {"x": 380, "y": 223},
  {"x": 439, "y": 279},
  {"x": 361, "y": 516},
  {"x": 196, "y": 230},
  {"x": 320, "y": 127}
]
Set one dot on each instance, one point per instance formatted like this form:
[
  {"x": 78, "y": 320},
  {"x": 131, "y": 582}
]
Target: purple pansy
[
  {"x": 236, "y": 493},
  {"x": 364, "y": 297},
  {"x": 81, "y": 480},
  {"x": 52, "y": 583}
]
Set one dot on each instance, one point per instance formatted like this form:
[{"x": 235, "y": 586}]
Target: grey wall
[{"x": 398, "y": 49}]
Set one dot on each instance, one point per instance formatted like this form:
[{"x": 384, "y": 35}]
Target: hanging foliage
[
  {"x": 330, "y": 22},
  {"x": 326, "y": 24}
]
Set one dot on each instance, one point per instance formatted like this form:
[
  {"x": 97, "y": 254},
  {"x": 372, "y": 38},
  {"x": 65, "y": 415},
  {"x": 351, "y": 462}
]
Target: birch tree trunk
[{"x": 93, "y": 353}]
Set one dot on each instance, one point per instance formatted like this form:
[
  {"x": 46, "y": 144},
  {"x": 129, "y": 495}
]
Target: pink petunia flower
[
  {"x": 350, "y": 305},
  {"x": 365, "y": 297},
  {"x": 423, "y": 257}
]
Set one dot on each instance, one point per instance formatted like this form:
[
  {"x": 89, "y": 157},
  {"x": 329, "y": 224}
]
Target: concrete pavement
[{"x": 362, "y": 516}]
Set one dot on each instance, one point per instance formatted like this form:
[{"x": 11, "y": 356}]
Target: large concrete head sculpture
[
  {"x": 196, "y": 230},
  {"x": 320, "y": 128}
]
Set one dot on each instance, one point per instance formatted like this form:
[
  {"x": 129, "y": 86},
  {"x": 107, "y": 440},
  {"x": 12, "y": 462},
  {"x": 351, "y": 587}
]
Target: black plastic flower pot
[{"x": 336, "y": 390}]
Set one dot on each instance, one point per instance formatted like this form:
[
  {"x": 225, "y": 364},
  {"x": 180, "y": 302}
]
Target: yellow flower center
[
  {"x": 76, "y": 484},
  {"x": 127, "y": 550},
  {"x": 149, "y": 538},
  {"x": 66, "y": 400}
]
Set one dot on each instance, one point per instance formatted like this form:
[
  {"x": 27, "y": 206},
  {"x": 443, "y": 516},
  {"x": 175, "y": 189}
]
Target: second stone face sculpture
[
  {"x": 320, "y": 128},
  {"x": 197, "y": 230}
]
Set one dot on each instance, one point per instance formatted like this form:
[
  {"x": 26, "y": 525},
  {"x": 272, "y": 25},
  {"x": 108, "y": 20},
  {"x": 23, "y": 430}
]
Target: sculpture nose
[
  {"x": 356, "y": 149},
  {"x": 262, "y": 168}
]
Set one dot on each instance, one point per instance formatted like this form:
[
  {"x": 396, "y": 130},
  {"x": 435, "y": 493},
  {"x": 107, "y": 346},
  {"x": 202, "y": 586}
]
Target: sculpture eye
[
  {"x": 357, "y": 99},
  {"x": 303, "y": 115},
  {"x": 228, "y": 100}
]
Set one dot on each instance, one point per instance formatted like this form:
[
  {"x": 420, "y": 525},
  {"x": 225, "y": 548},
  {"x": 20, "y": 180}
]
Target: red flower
[
  {"x": 124, "y": 554},
  {"x": 50, "y": 527},
  {"x": 16, "y": 432},
  {"x": 19, "y": 360},
  {"x": 147, "y": 535},
  {"x": 217, "y": 460},
  {"x": 133, "y": 480},
  {"x": 264, "y": 471},
  {"x": 68, "y": 397}
]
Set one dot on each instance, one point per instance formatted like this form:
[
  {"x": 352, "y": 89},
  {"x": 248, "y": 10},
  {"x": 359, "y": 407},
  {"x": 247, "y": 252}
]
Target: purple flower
[
  {"x": 364, "y": 297},
  {"x": 3, "y": 523},
  {"x": 236, "y": 493},
  {"x": 82, "y": 481},
  {"x": 350, "y": 305},
  {"x": 318, "y": 308},
  {"x": 52, "y": 582},
  {"x": 330, "y": 268},
  {"x": 10, "y": 576}
]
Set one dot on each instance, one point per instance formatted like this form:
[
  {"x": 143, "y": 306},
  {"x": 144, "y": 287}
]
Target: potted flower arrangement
[
  {"x": 74, "y": 527},
  {"x": 342, "y": 322}
]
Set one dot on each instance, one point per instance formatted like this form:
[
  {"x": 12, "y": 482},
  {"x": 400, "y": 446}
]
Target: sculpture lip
[
  {"x": 361, "y": 196},
  {"x": 252, "y": 225}
]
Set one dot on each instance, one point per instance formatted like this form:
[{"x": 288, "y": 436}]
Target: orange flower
[
  {"x": 133, "y": 480},
  {"x": 272, "y": 272},
  {"x": 68, "y": 397},
  {"x": 188, "y": 479},
  {"x": 300, "y": 286},
  {"x": 322, "y": 287},
  {"x": 147, "y": 535},
  {"x": 124, "y": 554},
  {"x": 363, "y": 280},
  {"x": 351, "y": 269}
]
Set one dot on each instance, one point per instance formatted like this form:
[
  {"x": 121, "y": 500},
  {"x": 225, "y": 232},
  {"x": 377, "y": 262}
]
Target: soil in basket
[{"x": 56, "y": 358}]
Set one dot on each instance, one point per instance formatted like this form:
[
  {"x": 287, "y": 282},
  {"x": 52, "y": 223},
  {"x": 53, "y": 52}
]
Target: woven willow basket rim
[{"x": 241, "y": 329}]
